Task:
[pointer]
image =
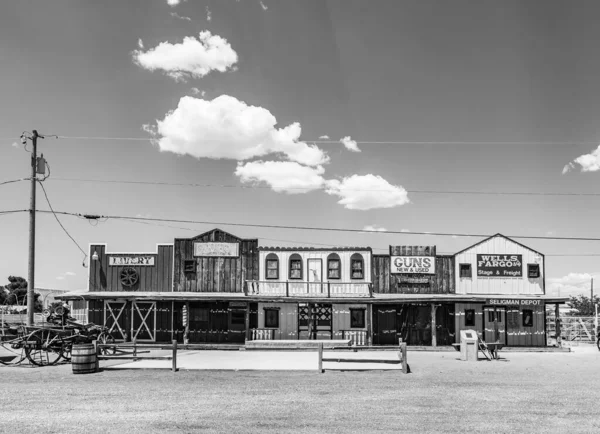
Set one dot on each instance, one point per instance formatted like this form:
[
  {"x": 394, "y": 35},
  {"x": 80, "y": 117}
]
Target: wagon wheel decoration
[{"x": 129, "y": 276}]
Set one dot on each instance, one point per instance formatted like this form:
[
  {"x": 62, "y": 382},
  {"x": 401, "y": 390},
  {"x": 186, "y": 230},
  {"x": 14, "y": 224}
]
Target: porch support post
[
  {"x": 433, "y": 326},
  {"x": 248, "y": 321},
  {"x": 186, "y": 333},
  {"x": 557, "y": 325},
  {"x": 370, "y": 324}
]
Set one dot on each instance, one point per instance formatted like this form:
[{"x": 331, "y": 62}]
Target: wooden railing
[
  {"x": 357, "y": 337},
  {"x": 308, "y": 289},
  {"x": 262, "y": 334}
]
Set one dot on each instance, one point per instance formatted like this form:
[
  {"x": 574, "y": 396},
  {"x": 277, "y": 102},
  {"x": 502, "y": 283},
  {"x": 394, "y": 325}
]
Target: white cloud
[
  {"x": 282, "y": 176},
  {"x": 350, "y": 144},
  {"x": 374, "y": 228},
  {"x": 264, "y": 6},
  {"x": 14, "y": 145},
  {"x": 587, "y": 162},
  {"x": 190, "y": 58},
  {"x": 228, "y": 128},
  {"x": 404, "y": 230},
  {"x": 70, "y": 273},
  {"x": 364, "y": 192},
  {"x": 325, "y": 137},
  {"x": 208, "y": 14},
  {"x": 571, "y": 284},
  {"x": 176, "y": 15},
  {"x": 140, "y": 44},
  {"x": 174, "y": 3}
]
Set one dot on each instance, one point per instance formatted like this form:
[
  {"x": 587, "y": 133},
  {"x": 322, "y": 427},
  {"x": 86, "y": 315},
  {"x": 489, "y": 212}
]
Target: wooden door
[
  {"x": 237, "y": 323},
  {"x": 143, "y": 320},
  {"x": 219, "y": 319},
  {"x": 315, "y": 276},
  {"x": 494, "y": 324},
  {"x": 386, "y": 326},
  {"x": 199, "y": 323},
  {"x": 115, "y": 318}
]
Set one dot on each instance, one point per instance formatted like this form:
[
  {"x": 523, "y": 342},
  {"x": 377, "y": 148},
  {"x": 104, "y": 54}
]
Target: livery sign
[{"x": 131, "y": 260}]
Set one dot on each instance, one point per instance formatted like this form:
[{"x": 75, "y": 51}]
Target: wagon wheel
[
  {"x": 12, "y": 352},
  {"x": 44, "y": 347},
  {"x": 129, "y": 276},
  {"x": 106, "y": 339}
]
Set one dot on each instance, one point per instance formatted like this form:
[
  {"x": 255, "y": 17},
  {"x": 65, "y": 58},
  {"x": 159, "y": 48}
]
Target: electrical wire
[
  {"x": 324, "y": 229},
  {"x": 13, "y": 211},
  {"x": 462, "y": 192},
  {"x": 14, "y": 180},
  {"x": 60, "y": 224}
]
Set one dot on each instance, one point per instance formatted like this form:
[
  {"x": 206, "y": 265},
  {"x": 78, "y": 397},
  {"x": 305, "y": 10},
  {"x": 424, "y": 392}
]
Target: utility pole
[{"x": 31, "y": 270}]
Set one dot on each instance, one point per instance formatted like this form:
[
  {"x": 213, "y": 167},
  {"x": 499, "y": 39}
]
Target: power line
[
  {"x": 14, "y": 180},
  {"x": 14, "y": 211},
  {"x": 59, "y": 222},
  {"x": 323, "y": 229},
  {"x": 185, "y": 184}
]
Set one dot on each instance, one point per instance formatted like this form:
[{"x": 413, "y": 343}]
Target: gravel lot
[{"x": 522, "y": 392}]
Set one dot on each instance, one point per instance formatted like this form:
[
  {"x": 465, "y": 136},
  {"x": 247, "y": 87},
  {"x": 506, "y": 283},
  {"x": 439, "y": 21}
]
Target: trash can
[{"x": 468, "y": 345}]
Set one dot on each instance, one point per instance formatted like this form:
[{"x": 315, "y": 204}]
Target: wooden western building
[{"x": 219, "y": 288}]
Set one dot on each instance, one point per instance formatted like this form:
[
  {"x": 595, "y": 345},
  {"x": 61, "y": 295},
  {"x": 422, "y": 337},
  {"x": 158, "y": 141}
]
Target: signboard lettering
[
  {"x": 513, "y": 302},
  {"x": 412, "y": 265},
  {"x": 499, "y": 265},
  {"x": 406, "y": 279},
  {"x": 230, "y": 250},
  {"x": 131, "y": 260}
]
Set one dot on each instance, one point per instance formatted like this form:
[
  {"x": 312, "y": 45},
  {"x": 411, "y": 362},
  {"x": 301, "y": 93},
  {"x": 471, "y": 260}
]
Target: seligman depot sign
[
  {"x": 499, "y": 266},
  {"x": 412, "y": 265}
]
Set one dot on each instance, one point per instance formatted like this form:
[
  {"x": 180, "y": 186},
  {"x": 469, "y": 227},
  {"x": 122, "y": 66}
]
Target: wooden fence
[{"x": 402, "y": 356}]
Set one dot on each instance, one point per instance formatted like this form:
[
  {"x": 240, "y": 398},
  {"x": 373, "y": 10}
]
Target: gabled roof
[
  {"x": 215, "y": 230},
  {"x": 499, "y": 235}
]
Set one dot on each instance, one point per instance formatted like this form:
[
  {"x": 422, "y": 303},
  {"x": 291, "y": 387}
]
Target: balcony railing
[{"x": 308, "y": 289}]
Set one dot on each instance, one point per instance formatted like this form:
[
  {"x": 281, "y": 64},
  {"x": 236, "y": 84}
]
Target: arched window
[
  {"x": 334, "y": 266},
  {"x": 272, "y": 266},
  {"x": 295, "y": 266},
  {"x": 357, "y": 266}
]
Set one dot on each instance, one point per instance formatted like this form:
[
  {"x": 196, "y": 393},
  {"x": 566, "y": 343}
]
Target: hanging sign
[
  {"x": 499, "y": 265},
  {"x": 412, "y": 265},
  {"x": 230, "y": 250},
  {"x": 131, "y": 260}
]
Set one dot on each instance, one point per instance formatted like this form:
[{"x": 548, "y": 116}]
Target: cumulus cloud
[
  {"x": 190, "y": 58},
  {"x": 14, "y": 145},
  {"x": 140, "y": 44},
  {"x": 197, "y": 91},
  {"x": 174, "y": 3},
  {"x": 325, "y": 137},
  {"x": 350, "y": 144},
  {"x": 69, "y": 273},
  {"x": 176, "y": 15},
  {"x": 208, "y": 14},
  {"x": 571, "y": 284},
  {"x": 587, "y": 162},
  {"x": 228, "y": 128},
  {"x": 364, "y": 192},
  {"x": 264, "y": 6},
  {"x": 374, "y": 228},
  {"x": 282, "y": 176}
]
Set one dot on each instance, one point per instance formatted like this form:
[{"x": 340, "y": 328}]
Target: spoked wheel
[
  {"x": 11, "y": 353},
  {"x": 44, "y": 347},
  {"x": 106, "y": 339}
]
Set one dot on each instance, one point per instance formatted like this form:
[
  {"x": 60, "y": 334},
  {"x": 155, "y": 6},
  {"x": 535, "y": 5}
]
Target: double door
[
  {"x": 494, "y": 324},
  {"x": 127, "y": 321}
]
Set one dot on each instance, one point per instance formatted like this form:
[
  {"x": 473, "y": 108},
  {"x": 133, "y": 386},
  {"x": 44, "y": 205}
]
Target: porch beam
[{"x": 433, "y": 326}]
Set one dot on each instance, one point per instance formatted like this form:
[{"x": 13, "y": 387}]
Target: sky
[{"x": 280, "y": 107}]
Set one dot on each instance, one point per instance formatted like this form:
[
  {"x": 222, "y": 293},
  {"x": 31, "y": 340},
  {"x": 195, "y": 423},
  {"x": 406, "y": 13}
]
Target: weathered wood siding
[
  {"x": 341, "y": 318},
  {"x": 519, "y": 336},
  {"x": 442, "y": 282},
  {"x": 288, "y": 319},
  {"x": 459, "y": 318},
  {"x": 151, "y": 278},
  {"x": 499, "y": 245},
  {"x": 345, "y": 256},
  {"x": 215, "y": 274}
]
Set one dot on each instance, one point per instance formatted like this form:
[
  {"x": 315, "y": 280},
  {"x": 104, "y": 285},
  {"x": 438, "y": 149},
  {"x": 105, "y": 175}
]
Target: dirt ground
[{"x": 522, "y": 392}]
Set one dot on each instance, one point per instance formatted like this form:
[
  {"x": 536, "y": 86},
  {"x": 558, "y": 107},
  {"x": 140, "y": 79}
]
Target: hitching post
[
  {"x": 320, "y": 357},
  {"x": 174, "y": 367}
]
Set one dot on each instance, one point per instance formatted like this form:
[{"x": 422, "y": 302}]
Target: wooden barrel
[{"x": 83, "y": 359}]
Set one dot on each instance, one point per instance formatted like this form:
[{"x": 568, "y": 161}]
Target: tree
[
  {"x": 584, "y": 305},
  {"x": 15, "y": 293}
]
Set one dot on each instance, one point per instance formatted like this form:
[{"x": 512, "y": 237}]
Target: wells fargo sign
[
  {"x": 131, "y": 260},
  {"x": 499, "y": 266},
  {"x": 412, "y": 265},
  {"x": 230, "y": 250}
]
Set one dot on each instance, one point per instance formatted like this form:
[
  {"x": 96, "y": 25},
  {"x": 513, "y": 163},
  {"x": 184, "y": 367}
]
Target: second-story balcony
[{"x": 308, "y": 289}]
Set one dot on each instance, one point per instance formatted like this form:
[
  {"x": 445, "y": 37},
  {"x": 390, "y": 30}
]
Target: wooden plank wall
[
  {"x": 341, "y": 318},
  {"x": 96, "y": 312},
  {"x": 459, "y": 318},
  {"x": 288, "y": 319},
  {"x": 164, "y": 324},
  {"x": 442, "y": 282},
  {"x": 156, "y": 278},
  {"x": 519, "y": 336},
  {"x": 215, "y": 274}
]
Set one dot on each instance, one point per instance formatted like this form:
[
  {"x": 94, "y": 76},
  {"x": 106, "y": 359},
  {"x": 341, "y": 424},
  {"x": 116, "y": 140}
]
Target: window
[
  {"x": 357, "y": 318},
  {"x": 527, "y": 318},
  {"x": 469, "y": 317},
  {"x": 533, "y": 271},
  {"x": 271, "y": 318},
  {"x": 295, "y": 266},
  {"x": 334, "y": 266},
  {"x": 465, "y": 270},
  {"x": 238, "y": 317},
  {"x": 357, "y": 267},
  {"x": 189, "y": 266},
  {"x": 272, "y": 266}
]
